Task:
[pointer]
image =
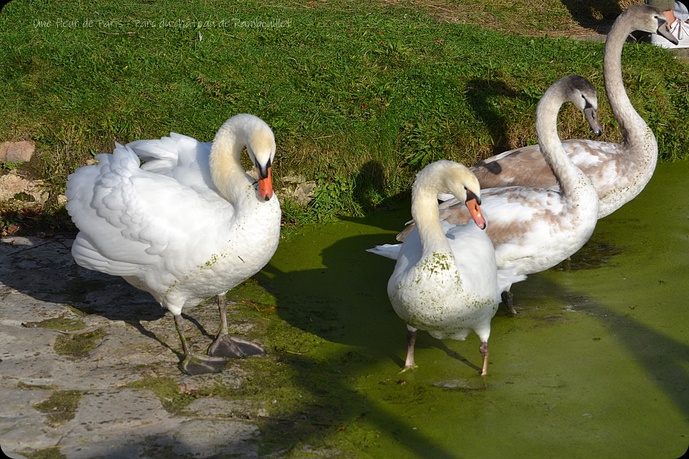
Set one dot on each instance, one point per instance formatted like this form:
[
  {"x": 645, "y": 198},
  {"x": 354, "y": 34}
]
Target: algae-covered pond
[{"x": 596, "y": 364}]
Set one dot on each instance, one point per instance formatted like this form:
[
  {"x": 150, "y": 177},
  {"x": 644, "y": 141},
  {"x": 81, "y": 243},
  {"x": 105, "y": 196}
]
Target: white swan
[
  {"x": 186, "y": 225},
  {"x": 445, "y": 283},
  {"x": 619, "y": 171},
  {"x": 534, "y": 229}
]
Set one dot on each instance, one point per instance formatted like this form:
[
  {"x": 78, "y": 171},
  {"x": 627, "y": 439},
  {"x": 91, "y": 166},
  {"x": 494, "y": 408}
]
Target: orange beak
[
  {"x": 475, "y": 211},
  {"x": 265, "y": 184}
]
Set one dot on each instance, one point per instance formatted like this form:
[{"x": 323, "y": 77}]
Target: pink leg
[
  {"x": 484, "y": 353},
  {"x": 411, "y": 341}
]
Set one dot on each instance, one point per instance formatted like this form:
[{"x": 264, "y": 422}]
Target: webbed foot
[
  {"x": 407, "y": 368},
  {"x": 195, "y": 365},
  {"x": 234, "y": 348}
]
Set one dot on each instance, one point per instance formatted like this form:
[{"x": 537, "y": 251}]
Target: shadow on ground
[{"x": 597, "y": 15}]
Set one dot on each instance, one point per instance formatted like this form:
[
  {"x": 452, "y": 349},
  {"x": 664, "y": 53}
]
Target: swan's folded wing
[
  {"x": 128, "y": 217},
  {"x": 506, "y": 209},
  {"x": 523, "y": 230},
  {"x": 179, "y": 156},
  {"x": 526, "y": 166},
  {"x": 521, "y": 167},
  {"x": 159, "y": 155},
  {"x": 165, "y": 154},
  {"x": 605, "y": 164}
]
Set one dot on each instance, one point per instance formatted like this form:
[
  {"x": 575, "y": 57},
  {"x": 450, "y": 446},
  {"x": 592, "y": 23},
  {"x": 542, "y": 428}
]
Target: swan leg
[
  {"x": 195, "y": 365},
  {"x": 411, "y": 341},
  {"x": 484, "y": 352},
  {"x": 226, "y": 346},
  {"x": 508, "y": 299}
]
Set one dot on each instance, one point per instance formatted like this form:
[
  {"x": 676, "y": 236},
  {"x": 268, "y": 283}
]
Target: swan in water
[
  {"x": 619, "y": 171},
  {"x": 533, "y": 229},
  {"x": 186, "y": 225},
  {"x": 445, "y": 279}
]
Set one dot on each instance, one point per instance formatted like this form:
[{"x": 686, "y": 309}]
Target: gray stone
[
  {"x": 15, "y": 152},
  {"x": 39, "y": 282}
]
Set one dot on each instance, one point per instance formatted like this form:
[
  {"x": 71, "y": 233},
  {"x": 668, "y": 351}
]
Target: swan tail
[
  {"x": 391, "y": 251},
  {"x": 508, "y": 277}
]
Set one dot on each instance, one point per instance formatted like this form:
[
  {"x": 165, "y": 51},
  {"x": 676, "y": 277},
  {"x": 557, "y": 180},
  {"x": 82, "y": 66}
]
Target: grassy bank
[{"x": 360, "y": 94}]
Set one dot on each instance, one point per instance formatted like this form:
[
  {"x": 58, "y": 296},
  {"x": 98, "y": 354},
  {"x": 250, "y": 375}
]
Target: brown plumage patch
[{"x": 524, "y": 167}]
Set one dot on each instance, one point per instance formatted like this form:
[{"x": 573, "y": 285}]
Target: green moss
[
  {"x": 168, "y": 392},
  {"x": 24, "y": 386},
  {"x": 77, "y": 311},
  {"x": 58, "y": 323},
  {"x": 47, "y": 453},
  {"x": 61, "y": 406},
  {"x": 79, "y": 345}
]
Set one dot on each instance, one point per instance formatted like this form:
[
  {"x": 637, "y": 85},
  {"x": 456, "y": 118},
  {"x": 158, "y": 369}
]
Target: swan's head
[
  {"x": 261, "y": 148},
  {"x": 464, "y": 185},
  {"x": 457, "y": 179},
  {"x": 234, "y": 135},
  {"x": 646, "y": 18},
  {"x": 583, "y": 95}
]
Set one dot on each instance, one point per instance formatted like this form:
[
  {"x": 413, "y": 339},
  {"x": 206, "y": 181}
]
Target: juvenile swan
[
  {"x": 186, "y": 225},
  {"x": 619, "y": 171},
  {"x": 445, "y": 282},
  {"x": 533, "y": 229}
]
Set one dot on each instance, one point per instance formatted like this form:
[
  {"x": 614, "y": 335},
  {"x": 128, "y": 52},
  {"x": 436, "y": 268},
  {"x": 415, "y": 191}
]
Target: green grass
[{"x": 360, "y": 94}]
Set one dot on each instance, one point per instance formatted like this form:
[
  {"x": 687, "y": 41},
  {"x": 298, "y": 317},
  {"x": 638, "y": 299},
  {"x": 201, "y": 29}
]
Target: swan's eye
[{"x": 471, "y": 195}]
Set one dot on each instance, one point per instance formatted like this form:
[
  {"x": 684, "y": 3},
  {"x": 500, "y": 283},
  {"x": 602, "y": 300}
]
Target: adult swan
[
  {"x": 619, "y": 171},
  {"x": 186, "y": 225},
  {"x": 445, "y": 282}
]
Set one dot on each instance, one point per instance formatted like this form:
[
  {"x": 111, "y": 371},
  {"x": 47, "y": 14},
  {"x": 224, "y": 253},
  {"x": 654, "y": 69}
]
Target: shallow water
[{"x": 596, "y": 364}]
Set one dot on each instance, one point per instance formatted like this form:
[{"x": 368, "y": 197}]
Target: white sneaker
[{"x": 681, "y": 32}]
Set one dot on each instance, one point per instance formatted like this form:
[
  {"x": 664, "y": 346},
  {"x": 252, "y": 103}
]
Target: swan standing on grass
[
  {"x": 186, "y": 225},
  {"x": 619, "y": 171},
  {"x": 533, "y": 229},
  {"x": 445, "y": 282}
]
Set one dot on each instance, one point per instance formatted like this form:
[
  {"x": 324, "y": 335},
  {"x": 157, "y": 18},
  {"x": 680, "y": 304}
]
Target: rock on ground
[
  {"x": 12, "y": 184},
  {"x": 46, "y": 300},
  {"x": 15, "y": 152}
]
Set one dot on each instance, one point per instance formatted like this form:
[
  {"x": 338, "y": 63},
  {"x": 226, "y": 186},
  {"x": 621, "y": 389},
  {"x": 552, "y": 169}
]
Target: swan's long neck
[
  {"x": 635, "y": 131},
  {"x": 424, "y": 210},
  {"x": 225, "y": 162},
  {"x": 572, "y": 180}
]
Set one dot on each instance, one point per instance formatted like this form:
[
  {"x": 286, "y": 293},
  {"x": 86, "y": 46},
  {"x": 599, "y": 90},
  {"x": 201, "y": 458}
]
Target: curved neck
[
  {"x": 633, "y": 127},
  {"x": 225, "y": 163},
  {"x": 424, "y": 211},
  {"x": 570, "y": 177}
]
